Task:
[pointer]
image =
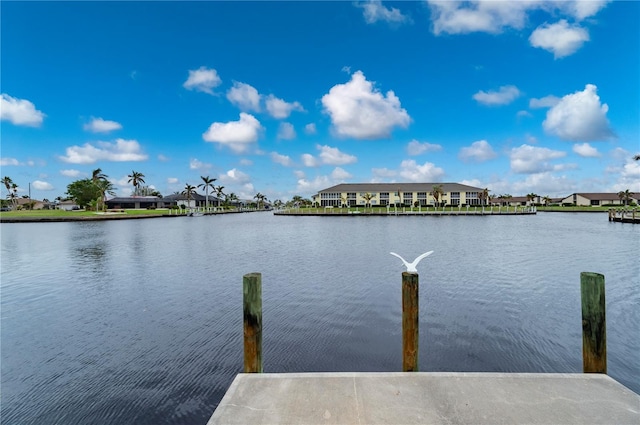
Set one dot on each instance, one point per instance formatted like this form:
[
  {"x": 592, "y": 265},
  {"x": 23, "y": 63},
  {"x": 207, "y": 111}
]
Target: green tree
[
  {"x": 625, "y": 196},
  {"x": 546, "y": 200},
  {"x": 207, "y": 183},
  {"x": 11, "y": 189},
  {"x": 189, "y": 191},
  {"x": 135, "y": 178},
  {"x": 531, "y": 196},
  {"x": 83, "y": 192},
  {"x": 219, "y": 193},
  {"x": 260, "y": 198},
  {"x": 437, "y": 192},
  {"x": 367, "y": 199},
  {"x": 104, "y": 187}
]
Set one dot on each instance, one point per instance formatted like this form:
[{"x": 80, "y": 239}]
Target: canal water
[{"x": 140, "y": 322}]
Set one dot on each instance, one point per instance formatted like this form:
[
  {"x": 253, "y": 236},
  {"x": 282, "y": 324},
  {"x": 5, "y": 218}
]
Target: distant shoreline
[{"x": 100, "y": 217}]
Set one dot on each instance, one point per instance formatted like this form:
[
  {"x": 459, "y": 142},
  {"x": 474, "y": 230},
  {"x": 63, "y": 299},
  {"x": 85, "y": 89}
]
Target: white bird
[{"x": 411, "y": 267}]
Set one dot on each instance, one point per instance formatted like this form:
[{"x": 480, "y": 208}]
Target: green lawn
[{"x": 62, "y": 213}]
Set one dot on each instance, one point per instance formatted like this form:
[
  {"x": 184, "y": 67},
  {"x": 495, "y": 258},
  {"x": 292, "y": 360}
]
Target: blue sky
[{"x": 287, "y": 98}]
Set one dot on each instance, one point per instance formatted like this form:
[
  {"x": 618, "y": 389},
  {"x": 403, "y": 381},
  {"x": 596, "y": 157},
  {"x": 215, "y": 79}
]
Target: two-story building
[{"x": 406, "y": 194}]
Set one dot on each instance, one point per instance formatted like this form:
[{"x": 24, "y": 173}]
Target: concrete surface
[{"x": 427, "y": 398}]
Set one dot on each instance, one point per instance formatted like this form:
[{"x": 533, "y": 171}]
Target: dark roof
[
  {"x": 603, "y": 196},
  {"x": 123, "y": 199},
  {"x": 402, "y": 187},
  {"x": 194, "y": 197}
]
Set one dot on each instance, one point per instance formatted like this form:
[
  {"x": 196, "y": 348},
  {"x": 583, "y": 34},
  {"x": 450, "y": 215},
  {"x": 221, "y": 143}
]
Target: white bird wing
[
  {"x": 420, "y": 257},
  {"x": 403, "y": 260},
  {"x": 411, "y": 267}
]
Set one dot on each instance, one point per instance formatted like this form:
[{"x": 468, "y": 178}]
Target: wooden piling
[
  {"x": 410, "y": 321},
  {"x": 594, "y": 329},
  {"x": 252, "y": 314}
]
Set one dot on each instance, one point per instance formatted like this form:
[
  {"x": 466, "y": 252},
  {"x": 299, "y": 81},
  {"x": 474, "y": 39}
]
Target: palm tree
[
  {"x": 259, "y": 197},
  {"x": 104, "y": 186},
  {"x": 14, "y": 195},
  {"x": 625, "y": 196},
  {"x": 219, "y": 193},
  {"x": 8, "y": 183},
  {"x": 546, "y": 200},
  {"x": 484, "y": 196},
  {"x": 230, "y": 198},
  {"x": 437, "y": 192},
  {"x": 207, "y": 183},
  {"x": 135, "y": 178},
  {"x": 98, "y": 175},
  {"x": 343, "y": 201},
  {"x": 531, "y": 196},
  {"x": 367, "y": 199},
  {"x": 188, "y": 190}
]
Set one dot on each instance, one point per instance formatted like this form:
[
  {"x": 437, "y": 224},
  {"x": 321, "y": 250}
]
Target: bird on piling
[{"x": 411, "y": 267}]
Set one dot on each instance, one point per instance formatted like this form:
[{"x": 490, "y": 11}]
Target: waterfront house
[
  {"x": 597, "y": 199},
  {"x": 405, "y": 194},
  {"x": 137, "y": 202}
]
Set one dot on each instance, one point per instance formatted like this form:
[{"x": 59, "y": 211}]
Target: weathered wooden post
[
  {"x": 594, "y": 329},
  {"x": 252, "y": 313},
  {"x": 410, "y": 321}
]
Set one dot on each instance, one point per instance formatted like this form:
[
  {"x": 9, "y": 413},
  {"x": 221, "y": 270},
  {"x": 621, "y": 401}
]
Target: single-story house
[
  {"x": 597, "y": 199},
  {"x": 137, "y": 202},
  {"x": 196, "y": 201}
]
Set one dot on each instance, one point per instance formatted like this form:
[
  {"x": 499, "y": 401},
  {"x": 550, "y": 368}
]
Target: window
[{"x": 595, "y": 202}]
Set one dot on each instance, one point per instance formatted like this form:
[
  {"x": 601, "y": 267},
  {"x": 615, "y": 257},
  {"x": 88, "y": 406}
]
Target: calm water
[{"x": 140, "y": 321}]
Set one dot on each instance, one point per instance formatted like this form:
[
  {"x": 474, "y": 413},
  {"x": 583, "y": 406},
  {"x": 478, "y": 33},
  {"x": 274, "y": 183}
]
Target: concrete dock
[{"x": 427, "y": 398}]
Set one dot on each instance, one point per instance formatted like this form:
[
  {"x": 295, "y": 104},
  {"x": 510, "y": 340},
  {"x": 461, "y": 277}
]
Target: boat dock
[
  {"x": 414, "y": 397},
  {"x": 427, "y": 398},
  {"x": 624, "y": 216}
]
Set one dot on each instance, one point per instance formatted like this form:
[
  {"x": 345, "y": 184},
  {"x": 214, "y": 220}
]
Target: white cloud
[
  {"x": 305, "y": 186},
  {"x": 246, "y": 162},
  {"x": 413, "y": 172},
  {"x": 333, "y": 156},
  {"x": 479, "y": 151},
  {"x": 521, "y": 114},
  {"x": 70, "y": 173},
  {"x": 281, "y": 159},
  {"x": 528, "y": 159},
  {"x": 99, "y": 125},
  {"x": 504, "y": 96},
  {"x": 244, "y": 96},
  {"x": 235, "y": 176},
  {"x": 9, "y": 161},
  {"x": 163, "y": 158},
  {"x": 579, "y": 117},
  {"x": 586, "y": 150},
  {"x": 20, "y": 111},
  {"x": 457, "y": 17},
  {"x": 120, "y": 151},
  {"x": 581, "y": 9},
  {"x": 299, "y": 174},
  {"x": 383, "y": 172},
  {"x": 310, "y": 128},
  {"x": 473, "y": 182},
  {"x": 561, "y": 38},
  {"x": 340, "y": 175},
  {"x": 172, "y": 180},
  {"x": 202, "y": 79},
  {"x": 357, "y": 109},
  {"x": 40, "y": 185},
  {"x": 544, "y": 184},
  {"x": 543, "y": 102},
  {"x": 286, "y": 131},
  {"x": 195, "y": 164},
  {"x": 417, "y": 148},
  {"x": 309, "y": 160},
  {"x": 235, "y": 134},
  {"x": 373, "y": 11},
  {"x": 281, "y": 109}
]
